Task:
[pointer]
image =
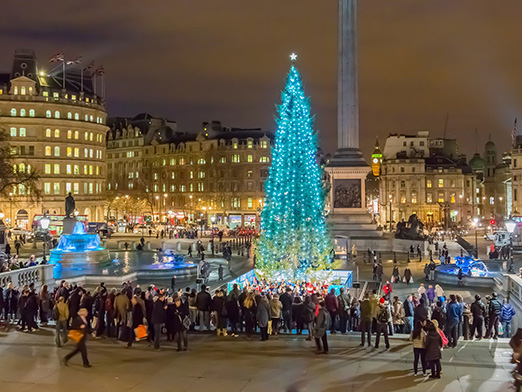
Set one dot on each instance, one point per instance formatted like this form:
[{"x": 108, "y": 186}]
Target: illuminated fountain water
[
  {"x": 79, "y": 248},
  {"x": 474, "y": 272}
]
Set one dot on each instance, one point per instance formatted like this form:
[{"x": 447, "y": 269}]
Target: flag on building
[
  {"x": 514, "y": 134},
  {"x": 91, "y": 65},
  {"x": 77, "y": 60},
  {"x": 99, "y": 71}
]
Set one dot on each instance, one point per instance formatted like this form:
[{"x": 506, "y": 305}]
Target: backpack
[{"x": 383, "y": 316}]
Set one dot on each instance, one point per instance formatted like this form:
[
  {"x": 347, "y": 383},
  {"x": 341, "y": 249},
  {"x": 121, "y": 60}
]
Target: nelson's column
[{"x": 347, "y": 169}]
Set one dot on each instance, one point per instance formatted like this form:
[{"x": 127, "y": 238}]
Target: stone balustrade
[{"x": 39, "y": 275}]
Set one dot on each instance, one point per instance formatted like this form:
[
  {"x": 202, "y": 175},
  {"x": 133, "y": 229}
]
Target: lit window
[
  {"x": 414, "y": 197},
  {"x": 56, "y": 168},
  {"x": 69, "y": 134},
  {"x": 76, "y": 116},
  {"x": 201, "y": 161},
  {"x": 97, "y": 170},
  {"x": 264, "y": 159},
  {"x": 264, "y": 144},
  {"x": 76, "y": 135},
  {"x": 31, "y": 112},
  {"x": 48, "y": 113},
  {"x": 191, "y": 175},
  {"x": 172, "y": 162},
  {"x": 48, "y": 132},
  {"x": 235, "y": 158},
  {"x": 22, "y": 132},
  {"x": 68, "y": 187},
  {"x": 90, "y": 153},
  {"x": 429, "y": 198},
  {"x": 56, "y": 133},
  {"x": 47, "y": 168},
  {"x": 47, "y": 188},
  {"x": 249, "y": 144},
  {"x": 85, "y": 153},
  {"x": 441, "y": 183},
  {"x": 85, "y": 170},
  {"x": 491, "y": 200},
  {"x": 76, "y": 169},
  {"x": 91, "y": 136},
  {"x": 223, "y": 160},
  {"x": 22, "y": 112},
  {"x": 13, "y": 112},
  {"x": 22, "y": 90},
  {"x": 201, "y": 174},
  {"x": 441, "y": 197},
  {"x": 86, "y": 118},
  {"x": 452, "y": 197},
  {"x": 56, "y": 188},
  {"x": 57, "y": 114},
  {"x": 77, "y": 188},
  {"x": 57, "y": 151},
  {"x": 47, "y": 151},
  {"x": 172, "y": 175},
  {"x": 90, "y": 170},
  {"x": 235, "y": 145},
  {"x": 69, "y": 115},
  {"x": 428, "y": 183},
  {"x": 250, "y": 204},
  {"x": 13, "y": 132},
  {"x": 181, "y": 161},
  {"x": 92, "y": 119},
  {"x": 250, "y": 158},
  {"x": 250, "y": 173},
  {"x": 69, "y": 170},
  {"x": 86, "y": 135},
  {"x": 69, "y": 151},
  {"x": 76, "y": 152},
  {"x": 403, "y": 198},
  {"x": 16, "y": 90}
]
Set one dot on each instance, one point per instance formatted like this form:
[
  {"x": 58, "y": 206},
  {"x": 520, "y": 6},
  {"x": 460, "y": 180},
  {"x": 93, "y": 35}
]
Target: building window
[
  {"x": 235, "y": 158},
  {"x": 515, "y": 194},
  {"x": 31, "y": 112},
  {"x": 90, "y": 153},
  {"x": 441, "y": 183},
  {"x": 57, "y": 114},
  {"x": 223, "y": 160},
  {"x": 90, "y": 170},
  {"x": 22, "y": 112},
  {"x": 181, "y": 161},
  {"x": 441, "y": 197},
  {"x": 414, "y": 197},
  {"x": 68, "y": 169},
  {"x": 201, "y": 161},
  {"x": 69, "y": 151},
  {"x": 22, "y": 132},
  {"x": 48, "y": 114},
  {"x": 76, "y": 116},
  {"x": 56, "y": 188},
  {"x": 56, "y": 168},
  {"x": 429, "y": 197},
  {"x": 13, "y": 112},
  {"x": 403, "y": 198},
  {"x": 48, "y": 132},
  {"x": 264, "y": 144},
  {"x": 76, "y": 152},
  {"x": 201, "y": 174},
  {"x": 56, "y": 133},
  {"x": 47, "y": 188},
  {"x": 250, "y": 173},
  {"x": 491, "y": 200},
  {"x": 250, "y": 158},
  {"x": 264, "y": 159},
  {"x": 56, "y": 151},
  {"x": 76, "y": 169},
  {"x": 250, "y": 203},
  {"x": 69, "y": 116},
  {"x": 13, "y": 132},
  {"x": 403, "y": 184},
  {"x": 452, "y": 197},
  {"x": 201, "y": 188},
  {"x": 47, "y": 168},
  {"x": 249, "y": 143},
  {"x": 47, "y": 151},
  {"x": 69, "y": 134},
  {"x": 452, "y": 183}
]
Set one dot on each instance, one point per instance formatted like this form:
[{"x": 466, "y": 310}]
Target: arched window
[
  {"x": 76, "y": 152},
  {"x": 28, "y": 168},
  {"x": 21, "y": 168},
  {"x": 48, "y": 132},
  {"x": 16, "y": 90},
  {"x": 69, "y": 134},
  {"x": 57, "y": 151},
  {"x": 22, "y": 112},
  {"x": 69, "y": 116},
  {"x": 91, "y": 118},
  {"x": 90, "y": 153},
  {"x": 76, "y": 116},
  {"x": 13, "y": 112},
  {"x": 31, "y": 112},
  {"x": 30, "y": 91},
  {"x": 48, "y": 114},
  {"x": 76, "y": 135},
  {"x": 69, "y": 151},
  {"x": 57, "y": 114},
  {"x": 22, "y": 90},
  {"x": 56, "y": 133},
  {"x": 47, "y": 151},
  {"x": 15, "y": 168}
]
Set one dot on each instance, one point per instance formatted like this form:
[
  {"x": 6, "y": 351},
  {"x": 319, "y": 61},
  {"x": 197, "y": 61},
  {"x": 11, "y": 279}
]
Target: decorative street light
[
  {"x": 390, "y": 197},
  {"x": 475, "y": 224},
  {"x": 511, "y": 226}
]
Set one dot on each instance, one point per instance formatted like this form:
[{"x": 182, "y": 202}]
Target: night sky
[{"x": 201, "y": 60}]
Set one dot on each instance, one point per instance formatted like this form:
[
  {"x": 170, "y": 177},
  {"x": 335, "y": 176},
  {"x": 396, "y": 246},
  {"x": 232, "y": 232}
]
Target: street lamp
[
  {"x": 475, "y": 224},
  {"x": 390, "y": 197},
  {"x": 510, "y": 226},
  {"x": 44, "y": 222}
]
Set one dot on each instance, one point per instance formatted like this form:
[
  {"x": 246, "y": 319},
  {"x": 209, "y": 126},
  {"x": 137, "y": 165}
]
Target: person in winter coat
[
  {"x": 478, "y": 311},
  {"x": 80, "y": 324},
  {"x": 454, "y": 317},
  {"x": 263, "y": 316},
  {"x": 383, "y": 317},
  {"x": 430, "y": 293},
  {"x": 439, "y": 315},
  {"x": 121, "y": 307},
  {"x": 74, "y": 301},
  {"x": 249, "y": 314},
  {"x": 109, "y": 313},
  {"x": 86, "y": 303},
  {"x": 433, "y": 350},
  {"x": 320, "y": 327},
  {"x": 307, "y": 315},
  {"x": 332, "y": 306},
  {"x": 7, "y": 296},
  {"x": 287, "y": 301},
  {"x": 420, "y": 313},
  {"x": 395, "y": 275},
  {"x": 233, "y": 311},
  {"x": 276, "y": 309},
  {"x": 61, "y": 316},
  {"x": 158, "y": 318},
  {"x": 204, "y": 304},
  {"x": 398, "y": 315},
  {"x": 138, "y": 317},
  {"x": 408, "y": 314},
  {"x": 180, "y": 330},
  {"x": 418, "y": 338},
  {"x": 345, "y": 301},
  {"x": 494, "y": 309},
  {"x": 506, "y": 316},
  {"x": 439, "y": 292},
  {"x": 44, "y": 305},
  {"x": 170, "y": 319},
  {"x": 407, "y": 275},
  {"x": 297, "y": 314},
  {"x": 218, "y": 306}
]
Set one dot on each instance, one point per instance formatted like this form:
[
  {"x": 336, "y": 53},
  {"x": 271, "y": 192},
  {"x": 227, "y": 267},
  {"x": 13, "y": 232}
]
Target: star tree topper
[{"x": 293, "y": 57}]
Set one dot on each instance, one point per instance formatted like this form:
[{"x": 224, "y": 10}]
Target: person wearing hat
[
  {"x": 383, "y": 317},
  {"x": 494, "y": 309},
  {"x": 81, "y": 325},
  {"x": 478, "y": 310}
]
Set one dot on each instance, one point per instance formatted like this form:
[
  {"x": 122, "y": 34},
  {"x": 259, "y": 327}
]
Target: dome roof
[{"x": 477, "y": 162}]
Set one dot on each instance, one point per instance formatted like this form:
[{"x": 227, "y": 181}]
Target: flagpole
[
  {"x": 81, "y": 78},
  {"x": 63, "y": 63}
]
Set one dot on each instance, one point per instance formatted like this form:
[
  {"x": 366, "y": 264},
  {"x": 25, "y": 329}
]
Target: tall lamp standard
[
  {"x": 510, "y": 226},
  {"x": 390, "y": 197},
  {"x": 475, "y": 224},
  {"x": 44, "y": 222}
]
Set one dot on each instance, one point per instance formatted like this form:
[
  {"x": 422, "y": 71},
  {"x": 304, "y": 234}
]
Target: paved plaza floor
[{"x": 31, "y": 362}]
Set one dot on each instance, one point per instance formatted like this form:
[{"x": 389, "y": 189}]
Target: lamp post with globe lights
[
  {"x": 475, "y": 224},
  {"x": 44, "y": 222},
  {"x": 511, "y": 226}
]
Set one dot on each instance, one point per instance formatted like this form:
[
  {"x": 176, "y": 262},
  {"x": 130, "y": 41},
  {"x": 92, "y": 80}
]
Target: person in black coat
[
  {"x": 24, "y": 312},
  {"x": 218, "y": 305},
  {"x": 170, "y": 319},
  {"x": 74, "y": 301},
  {"x": 433, "y": 353},
  {"x": 32, "y": 310},
  {"x": 233, "y": 312},
  {"x": 297, "y": 314},
  {"x": 439, "y": 315},
  {"x": 158, "y": 318},
  {"x": 478, "y": 310},
  {"x": 179, "y": 328},
  {"x": 80, "y": 324},
  {"x": 420, "y": 313},
  {"x": 138, "y": 317}
]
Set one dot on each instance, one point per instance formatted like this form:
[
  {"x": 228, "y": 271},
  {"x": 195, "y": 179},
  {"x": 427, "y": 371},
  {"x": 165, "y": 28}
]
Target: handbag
[
  {"x": 140, "y": 332},
  {"x": 411, "y": 280},
  {"x": 186, "y": 322},
  {"x": 75, "y": 335}
]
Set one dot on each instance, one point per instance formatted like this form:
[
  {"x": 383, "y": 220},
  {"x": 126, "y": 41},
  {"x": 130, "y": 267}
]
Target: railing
[{"x": 39, "y": 275}]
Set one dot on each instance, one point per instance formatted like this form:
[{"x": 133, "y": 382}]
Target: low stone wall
[
  {"x": 510, "y": 287},
  {"x": 39, "y": 275}
]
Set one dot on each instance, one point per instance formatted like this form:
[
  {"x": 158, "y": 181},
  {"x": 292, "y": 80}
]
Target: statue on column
[{"x": 70, "y": 206}]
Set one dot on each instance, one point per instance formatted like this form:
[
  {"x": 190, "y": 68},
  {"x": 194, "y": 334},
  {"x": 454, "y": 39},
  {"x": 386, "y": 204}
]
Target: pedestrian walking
[
  {"x": 320, "y": 327},
  {"x": 80, "y": 329}
]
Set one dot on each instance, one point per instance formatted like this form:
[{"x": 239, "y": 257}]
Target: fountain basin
[{"x": 475, "y": 273}]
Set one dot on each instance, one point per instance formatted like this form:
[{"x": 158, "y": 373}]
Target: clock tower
[{"x": 376, "y": 159}]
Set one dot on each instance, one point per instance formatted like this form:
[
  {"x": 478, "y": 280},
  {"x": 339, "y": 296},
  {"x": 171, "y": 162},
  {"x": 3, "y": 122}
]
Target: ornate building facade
[
  {"x": 57, "y": 129},
  {"x": 215, "y": 175}
]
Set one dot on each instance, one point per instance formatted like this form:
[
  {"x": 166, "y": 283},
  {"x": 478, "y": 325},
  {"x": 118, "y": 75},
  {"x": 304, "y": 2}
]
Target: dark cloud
[{"x": 198, "y": 60}]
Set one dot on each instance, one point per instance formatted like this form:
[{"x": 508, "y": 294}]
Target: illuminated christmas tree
[{"x": 294, "y": 238}]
